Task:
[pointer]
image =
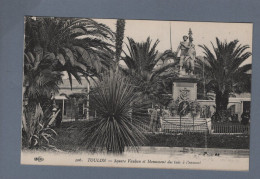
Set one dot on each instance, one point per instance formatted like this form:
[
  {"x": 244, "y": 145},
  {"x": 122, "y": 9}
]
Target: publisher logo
[{"x": 39, "y": 159}]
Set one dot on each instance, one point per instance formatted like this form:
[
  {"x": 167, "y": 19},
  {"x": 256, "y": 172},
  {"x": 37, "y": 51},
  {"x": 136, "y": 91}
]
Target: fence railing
[
  {"x": 175, "y": 128},
  {"x": 230, "y": 129},
  {"x": 184, "y": 128},
  {"x": 200, "y": 128}
]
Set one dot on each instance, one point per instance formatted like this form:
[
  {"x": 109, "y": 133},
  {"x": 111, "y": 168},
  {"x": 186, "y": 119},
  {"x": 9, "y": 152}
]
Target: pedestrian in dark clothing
[{"x": 245, "y": 117}]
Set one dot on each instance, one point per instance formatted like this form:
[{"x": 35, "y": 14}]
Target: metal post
[
  {"x": 180, "y": 122},
  {"x": 171, "y": 36},
  {"x": 63, "y": 106},
  {"x": 204, "y": 83},
  {"x": 206, "y": 140},
  {"x": 88, "y": 88}
]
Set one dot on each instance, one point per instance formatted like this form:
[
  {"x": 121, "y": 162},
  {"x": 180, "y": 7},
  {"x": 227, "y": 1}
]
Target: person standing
[
  {"x": 245, "y": 117},
  {"x": 154, "y": 119},
  {"x": 159, "y": 122}
]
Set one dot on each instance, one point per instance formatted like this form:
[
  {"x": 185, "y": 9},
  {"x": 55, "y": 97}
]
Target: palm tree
[
  {"x": 120, "y": 29},
  {"x": 118, "y": 108},
  {"x": 141, "y": 63},
  {"x": 40, "y": 80},
  {"x": 54, "y": 45},
  {"x": 70, "y": 44},
  {"x": 144, "y": 56},
  {"x": 225, "y": 71},
  {"x": 115, "y": 127}
]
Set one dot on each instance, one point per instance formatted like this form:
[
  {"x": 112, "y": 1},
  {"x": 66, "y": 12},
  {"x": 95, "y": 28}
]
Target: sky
[{"x": 203, "y": 32}]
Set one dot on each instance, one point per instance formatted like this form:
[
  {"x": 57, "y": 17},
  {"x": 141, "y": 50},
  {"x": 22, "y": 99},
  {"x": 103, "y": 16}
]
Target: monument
[
  {"x": 185, "y": 85},
  {"x": 184, "y": 107},
  {"x": 187, "y": 55}
]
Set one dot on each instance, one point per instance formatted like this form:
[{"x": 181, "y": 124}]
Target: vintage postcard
[{"x": 136, "y": 93}]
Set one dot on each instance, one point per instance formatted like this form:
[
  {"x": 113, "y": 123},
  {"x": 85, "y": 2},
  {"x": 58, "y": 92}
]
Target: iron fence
[
  {"x": 176, "y": 128},
  {"x": 184, "y": 128},
  {"x": 168, "y": 127},
  {"x": 230, "y": 129}
]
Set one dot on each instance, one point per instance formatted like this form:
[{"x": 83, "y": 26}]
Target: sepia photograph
[{"x": 136, "y": 93}]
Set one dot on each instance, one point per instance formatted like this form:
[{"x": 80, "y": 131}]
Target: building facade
[{"x": 73, "y": 102}]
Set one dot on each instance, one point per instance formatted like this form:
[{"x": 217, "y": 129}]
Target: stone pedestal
[{"x": 185, "y": 88}]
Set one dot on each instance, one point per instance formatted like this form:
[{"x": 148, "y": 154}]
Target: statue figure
[
  {"x": 188, "y": 54},
  {"x": 184, "y": 47},
  {"x": 190, "y": 59}
]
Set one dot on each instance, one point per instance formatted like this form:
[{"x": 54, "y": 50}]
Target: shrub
[
  {"x": 116, "y": 127},
  {"x": 36, "y": 131}
]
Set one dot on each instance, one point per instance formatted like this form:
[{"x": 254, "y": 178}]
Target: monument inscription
[{"x": 184, "y": 91}]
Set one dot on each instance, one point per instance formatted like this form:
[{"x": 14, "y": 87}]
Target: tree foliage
[
  {"x": 142, "y": 61},
  {"x": 115, "y": 127},
  {"x": 225, "y": 70},
  {"x": 40, "y": 80},
  {"x": 81, "y": 47},
  {"x": 36, "y": 131},
  {"x": 77, "y": 46}
]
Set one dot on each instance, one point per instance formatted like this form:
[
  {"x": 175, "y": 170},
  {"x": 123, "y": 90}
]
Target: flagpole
[
  {"x": 204, "y": 90},
  {"x": 171, "y": 36}
]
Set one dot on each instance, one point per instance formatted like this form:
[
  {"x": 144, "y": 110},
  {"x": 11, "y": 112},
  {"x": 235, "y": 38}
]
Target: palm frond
[
  {"x": 115, "y": 127},
  {"x": 224, "y": 70}
]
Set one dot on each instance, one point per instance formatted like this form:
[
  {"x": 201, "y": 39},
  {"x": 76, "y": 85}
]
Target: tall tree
[
  {"x": 78, "y": 46},
  {"x": 120, "y": 28},
  {"x": 142, "y": 66},
  {"x": 225, "y": 71},
  {"x": 40, "y": 80},
  {"x": 144, "y": 56}
]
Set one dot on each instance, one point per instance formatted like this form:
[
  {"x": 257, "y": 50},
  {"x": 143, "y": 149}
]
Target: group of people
[{"x": 156, "y": 115}]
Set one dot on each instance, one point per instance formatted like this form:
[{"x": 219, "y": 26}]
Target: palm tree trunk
[
  {"x": 225, "y": 100},
  {"x": 218, "y": 101},
  {"x": 120, "y": 28},
  {"x": 222, "y": 101}
]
